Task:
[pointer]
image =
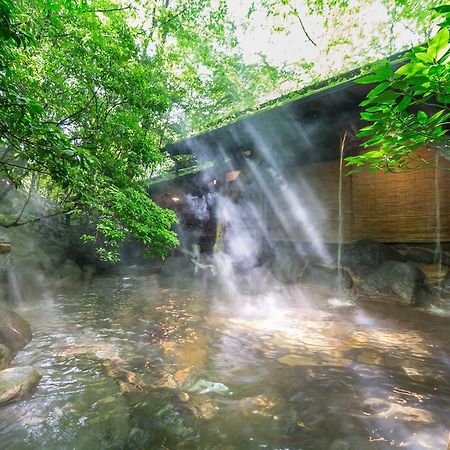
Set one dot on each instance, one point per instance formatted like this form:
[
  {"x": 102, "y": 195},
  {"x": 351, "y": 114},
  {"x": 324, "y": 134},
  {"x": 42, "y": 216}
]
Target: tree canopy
[{"x": 88, "y": 91}]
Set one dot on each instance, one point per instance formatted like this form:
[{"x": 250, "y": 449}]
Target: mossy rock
[
  {"x": 16, "y": 382},
  {"x": 15, "y": 331}
]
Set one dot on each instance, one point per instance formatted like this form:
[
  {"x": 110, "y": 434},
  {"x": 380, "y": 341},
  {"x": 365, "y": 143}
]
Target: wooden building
[{"x": 302, "y": 140}]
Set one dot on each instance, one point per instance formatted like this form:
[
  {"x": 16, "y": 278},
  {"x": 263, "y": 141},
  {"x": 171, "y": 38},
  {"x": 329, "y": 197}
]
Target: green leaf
[
  {"x": 368, "y": 79},
  {"x": 442, "y": 52},
  {"x": 444, "y": 9},
  {"x": 436, "y": 116},
  {"x": 364, "y": 133},
  {"x": 386, "y": 97},
  {"x": 385, "y": 70},
  {"x": 438, "y": 43},
  {"x": 424, "y": 57},
  {"x": 438, "y": 132},
  {"x": 379, "y": 89},
  {"x": 411, "y": 69},
  {"x": 422, "y": 117},
  {"x": 404, "y": 103},
  {"x": 368, "y": 116},
  {"x": 374, "y": 154}
]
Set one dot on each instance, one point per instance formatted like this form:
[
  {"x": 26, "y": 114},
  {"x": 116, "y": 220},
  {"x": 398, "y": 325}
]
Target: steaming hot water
[{"x": 133, "y": 363}]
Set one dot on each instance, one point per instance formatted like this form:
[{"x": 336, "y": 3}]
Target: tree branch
[
  {"x": 123, "y": 8},
  {"x": 35, "y": 219},
  {"x": 296, "y": 14}
]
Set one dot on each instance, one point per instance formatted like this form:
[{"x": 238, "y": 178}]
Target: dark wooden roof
[{"x": 303, "y": 131}]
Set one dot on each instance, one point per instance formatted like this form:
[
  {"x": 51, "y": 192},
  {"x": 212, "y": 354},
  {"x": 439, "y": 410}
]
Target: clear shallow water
[{"x": 131, "y": 364}]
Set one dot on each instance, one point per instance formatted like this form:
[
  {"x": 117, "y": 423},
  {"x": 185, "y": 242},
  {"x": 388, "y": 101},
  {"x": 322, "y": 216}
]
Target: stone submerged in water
[
  {"x": 5, "y": 356},
  {"x": 209, "y": 387},
  {"x": 402, "y": 279},
  {"x": 16, "y": 382},
  {"x": 329, "y": 277},
  {"x": 15, "y": 331}
]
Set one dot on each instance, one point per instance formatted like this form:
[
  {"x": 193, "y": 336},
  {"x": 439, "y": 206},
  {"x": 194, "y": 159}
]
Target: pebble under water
[{"x": 132, "y": 363}]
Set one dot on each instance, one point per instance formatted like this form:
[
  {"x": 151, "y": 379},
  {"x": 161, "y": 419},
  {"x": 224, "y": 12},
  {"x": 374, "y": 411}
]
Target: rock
[
  {"x": 209, "y": 387},
  {"x": 15, "y": 332},
  {"x": 419, "y": 255},
  {"x": 287, "y": 263},
  {"x": 362, "y": 257},
  {"x": 89, "y": 271},
  {"x": 402, "y": 279},
  {"x": 69, "y": 269},
  {"x": 178, "y": 267},
  {"x": 298, "y": 360},
  {"x": 371, "y": 357},
  {"x": 314, "y": 361},
  {"x": 5, "y": 356},
  {"x": 184, "y": 396},
  {"x": 329, "y": 277},
  {"x": 5, "y": 247},
  {"x": 441, "y": 288},
  {"x": 16, "y": 382},
  {"x": 68, "y": 274},
  {"x": 105, "y": 419},
  {"x": 203, "y": 407},
  {"x": 434, "y": 273}
]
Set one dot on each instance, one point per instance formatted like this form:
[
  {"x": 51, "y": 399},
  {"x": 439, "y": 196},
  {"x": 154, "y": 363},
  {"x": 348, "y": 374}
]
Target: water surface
[{"x": 134, "y": 363}]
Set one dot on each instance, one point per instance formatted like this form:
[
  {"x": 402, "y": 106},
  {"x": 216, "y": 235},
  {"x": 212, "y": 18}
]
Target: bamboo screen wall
[{"x": 387, "y": 208}]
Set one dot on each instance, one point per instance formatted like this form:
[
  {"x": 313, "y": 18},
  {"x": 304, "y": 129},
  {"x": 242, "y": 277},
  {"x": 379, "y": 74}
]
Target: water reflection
[{"x": 130, "y": 364}]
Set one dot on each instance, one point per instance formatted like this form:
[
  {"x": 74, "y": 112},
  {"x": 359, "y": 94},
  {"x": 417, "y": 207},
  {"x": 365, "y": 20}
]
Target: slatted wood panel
[
  {"x": 316, "y": 187},
  {"x": 384, "y": 207},
  {"x": 401, "y": 207}
]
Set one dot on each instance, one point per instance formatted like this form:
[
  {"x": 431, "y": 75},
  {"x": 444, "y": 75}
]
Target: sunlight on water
[
  {"x": 438, "y": 311},
  {"x": 341, "y": 302}
]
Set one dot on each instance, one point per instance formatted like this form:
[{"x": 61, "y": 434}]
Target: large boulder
[
  {"x": 16, "y": 382},
  {"x": 362, "y": 257},
  {"x": 402, "y": 279},
  {"x": 15, "y": 331},
  {"x": 419, "y": 255},
  {"x": 287, "y": 263},
  {"x": 5, "y": 356},
  {"x": 329, "y": 277},
  {"x": 68, "y": 274},
  {"x": 69, "y": 269}
]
